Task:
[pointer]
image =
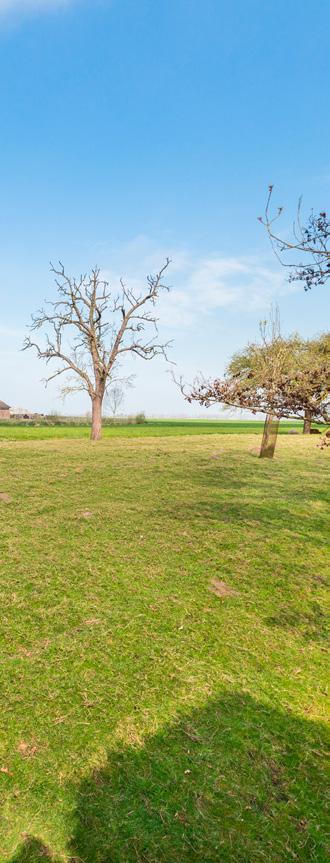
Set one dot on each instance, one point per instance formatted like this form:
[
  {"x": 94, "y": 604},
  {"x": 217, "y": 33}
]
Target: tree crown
[
  {"x": 286, "y": 377},
  {"x": 89, "y": 329}
]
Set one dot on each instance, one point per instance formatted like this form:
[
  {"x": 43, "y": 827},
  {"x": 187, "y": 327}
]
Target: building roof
[{"x": 3, "y": 406}]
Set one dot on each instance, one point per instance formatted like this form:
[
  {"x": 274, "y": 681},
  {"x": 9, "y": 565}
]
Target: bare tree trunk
[
  {"x": 269, "y": 437},
  {"x": 307, "y": 422},
  {"x": 96, "y": 432}
]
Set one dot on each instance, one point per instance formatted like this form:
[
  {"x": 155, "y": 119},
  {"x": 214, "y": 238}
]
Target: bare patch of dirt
[
  {"x": 27, "y": 750},
  {"x": 5, "y": 497},
  {"x": 92, "y": 621},
  {"x": 23, "y": 651},
  {"x": 220, "y": 588},
  {"x": 302, "y": 825}
]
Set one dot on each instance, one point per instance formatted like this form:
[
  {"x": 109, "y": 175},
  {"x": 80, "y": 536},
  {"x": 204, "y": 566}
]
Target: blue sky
[{"x": 133, "y": 129}]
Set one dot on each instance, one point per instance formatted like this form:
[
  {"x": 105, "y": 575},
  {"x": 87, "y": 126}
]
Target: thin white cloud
[{"x": 200, "y": 285}]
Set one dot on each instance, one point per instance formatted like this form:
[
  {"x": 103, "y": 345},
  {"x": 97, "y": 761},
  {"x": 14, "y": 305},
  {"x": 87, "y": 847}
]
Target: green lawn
[
  {"x": 153, "y": 428},
  {"x": 144, "y": 717}
]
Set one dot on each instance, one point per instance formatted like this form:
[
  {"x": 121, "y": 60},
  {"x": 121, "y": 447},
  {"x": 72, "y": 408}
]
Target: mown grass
[
  {"x": 145, "y": 718},
  {"x": 152, "y": 428}
]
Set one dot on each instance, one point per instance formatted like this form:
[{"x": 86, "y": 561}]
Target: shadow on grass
[
  {"x": 265, "y": 515},
  {"x": 234, "y": 782},
  {"x": 260, "y": 496},
  {"x": 312, "y": 624}
]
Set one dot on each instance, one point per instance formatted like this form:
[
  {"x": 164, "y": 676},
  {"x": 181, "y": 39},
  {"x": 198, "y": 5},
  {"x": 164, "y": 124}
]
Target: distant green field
[{"x": 153, "y": 428}]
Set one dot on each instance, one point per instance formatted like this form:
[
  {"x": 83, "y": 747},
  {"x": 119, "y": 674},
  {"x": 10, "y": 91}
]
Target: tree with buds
[
  {"x": 307, "y": 254},
  {"x": 282, "y": 378}
]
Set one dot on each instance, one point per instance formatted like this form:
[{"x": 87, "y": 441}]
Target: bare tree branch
[{"x": 311, "y": 241}]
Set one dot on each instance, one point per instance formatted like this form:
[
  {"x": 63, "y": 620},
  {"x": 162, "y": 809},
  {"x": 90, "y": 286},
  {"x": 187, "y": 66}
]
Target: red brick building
[{"x": 4, "y": 411}]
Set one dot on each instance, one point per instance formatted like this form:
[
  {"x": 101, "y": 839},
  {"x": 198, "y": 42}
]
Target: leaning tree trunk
[
  {"x": 269, "y": 437},
  {"x": 96, "y": 432},
  {"x": 307, "y": 422}
]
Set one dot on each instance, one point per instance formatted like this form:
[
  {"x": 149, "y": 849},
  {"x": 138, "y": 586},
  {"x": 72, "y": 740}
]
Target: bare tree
[
  {"x": 89, "y": 330},
  {"x": 309, "y": 248},
  {"x": 115, "y": 397}
]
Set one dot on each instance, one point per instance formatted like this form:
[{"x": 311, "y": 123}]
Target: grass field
[
  {"x": 149, "y": 713},
  {"x": 153, "y": 428}
]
